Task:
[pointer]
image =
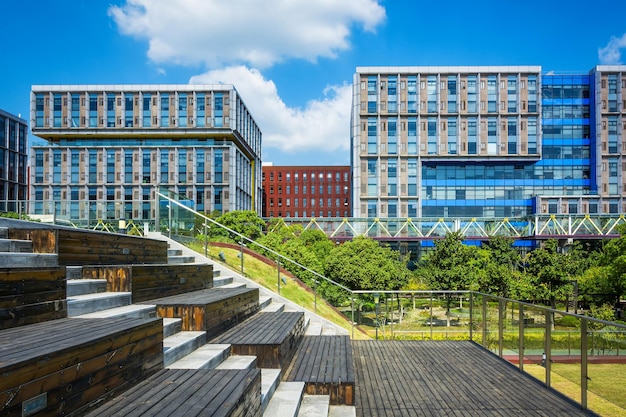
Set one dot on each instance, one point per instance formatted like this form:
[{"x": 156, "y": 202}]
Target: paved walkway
[{"x": 446, "y": 378}]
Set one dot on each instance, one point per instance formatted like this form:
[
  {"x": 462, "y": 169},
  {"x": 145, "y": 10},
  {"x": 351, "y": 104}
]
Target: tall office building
[
  {"x": 110, "y": 146},
  {"x": 306, "y": 191},
  {"x": 487, "y": 142},
  {"x": 13, "y": 165}
]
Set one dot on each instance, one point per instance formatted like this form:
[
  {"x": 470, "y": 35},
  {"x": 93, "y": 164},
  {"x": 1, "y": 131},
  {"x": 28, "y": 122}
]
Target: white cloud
[
  {"x": 611, "y": 53},
  {"x": 321, "y": 125},
  {"x": 259, "y": 33}
]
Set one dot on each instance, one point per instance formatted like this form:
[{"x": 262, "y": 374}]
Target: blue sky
[{"x": 291, "y": 60}]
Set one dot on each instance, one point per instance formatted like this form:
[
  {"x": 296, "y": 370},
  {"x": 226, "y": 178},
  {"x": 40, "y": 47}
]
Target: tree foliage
[{"x": 363, "y": 264}]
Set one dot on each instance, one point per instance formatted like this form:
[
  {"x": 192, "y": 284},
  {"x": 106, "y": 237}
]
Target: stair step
[
  {"x": 314, "y": 406},
  {"x": 90, "y": 303},
  {"x": 205, "y": 357},
  {"x": 74, "y": 272},
  {"x": 342, "y": 411},
  {"x": 234, "y": 285},
  {"x": 15, "y": 245},
  {"x": 182, "y": 259},
  {"x": 171, "y": 326},
  {"x": 329, "y": 331},
  {"x": 216, "y": 272},
  {"x": 270, "y": 379},
  {"x": 286, "y": 400},
  {"x": 314, "y": 329},
  {"x": 181, "y": 344},
  {"x": 222, "y": 281},
  {"x": 264, "y": 301},
  {"x": 4, "y": 233},
  {"x": 238, "y": 362},
  {"x": 85, "y": 286},
  {"x": 132, "y": 311},
  {"x": 28, "y": 260},
  {"x": 274, "y": 308},
  {"x": 174, "y": 252}
]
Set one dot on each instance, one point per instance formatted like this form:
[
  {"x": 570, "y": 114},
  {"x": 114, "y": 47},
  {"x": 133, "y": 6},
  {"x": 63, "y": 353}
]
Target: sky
[{"x": 292, "y": 61}]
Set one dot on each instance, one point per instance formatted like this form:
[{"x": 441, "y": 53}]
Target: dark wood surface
[
  {"x": 31, "y": 295},
  {"x": 213, "y": 310},
  {"x": 190, "y": 393},
  {"x": 150, "y": 281},
  {"x": 324, "y": 364},
  {"x": 88, "y": 247},
  {"x": 446, "y": 378},
  {"x": 76, "y": 361},
  {"x": 272, "y": 337}
]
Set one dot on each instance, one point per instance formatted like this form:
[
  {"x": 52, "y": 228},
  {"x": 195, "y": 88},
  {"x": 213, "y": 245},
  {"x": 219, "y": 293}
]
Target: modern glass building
[
  {"x": 110, "y": 146},
  {"x": 13, "y": 162},
  {"x": 485, "y": 142}
]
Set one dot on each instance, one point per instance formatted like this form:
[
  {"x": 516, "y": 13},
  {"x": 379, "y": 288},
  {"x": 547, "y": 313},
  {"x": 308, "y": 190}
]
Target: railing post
[
  {"x": 584, "y": 372},
  {"x": 352, "y": 323},
  {"x": 548, "y": 346},
  {"x": 520, "y": 345},
  {"x": 471, "y": 316},
  {"x": 315, "y": 294},
  {"x": 278, "y": 273},
  {"x": 485, "y": 324},
  {"x": 500, "y": 327},
  {"x": 431, "y": 316}
]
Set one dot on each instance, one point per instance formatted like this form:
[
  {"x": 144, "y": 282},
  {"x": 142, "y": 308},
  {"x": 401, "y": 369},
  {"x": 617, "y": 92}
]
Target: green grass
[
  {"x": 267, "y": 276},
  {"x": 607, "y": 387}
]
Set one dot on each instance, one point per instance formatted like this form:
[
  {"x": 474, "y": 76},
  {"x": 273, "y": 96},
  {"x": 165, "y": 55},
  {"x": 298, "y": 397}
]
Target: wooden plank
[{"x": 190, "y": 393}]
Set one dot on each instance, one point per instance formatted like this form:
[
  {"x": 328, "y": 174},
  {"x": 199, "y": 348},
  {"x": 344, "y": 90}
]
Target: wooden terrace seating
[
  {"x": 213, "y": 310},
  {"x": 324, "y": 364},
  {"x": 192, "y": 392},
  {"x": 31, "y": 295},
  {"x": 151, "y": 281},
  {"x": 87, "y": 247},
  {"x": 272, "y": 337},
  {"x": 62, "y": 366}
]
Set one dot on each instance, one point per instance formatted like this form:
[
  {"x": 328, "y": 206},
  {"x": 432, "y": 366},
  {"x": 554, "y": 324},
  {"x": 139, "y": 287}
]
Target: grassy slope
[{"x": 267, "y": 276}]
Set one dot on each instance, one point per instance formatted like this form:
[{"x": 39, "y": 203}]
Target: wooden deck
[{"x": 446, "y": 378}]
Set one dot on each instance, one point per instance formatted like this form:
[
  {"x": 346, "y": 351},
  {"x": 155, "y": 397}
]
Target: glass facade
[
  {"x": 13, "y": 146},
  {"x": 495, "y": 142},
  {"x": 109, "y": 148}
]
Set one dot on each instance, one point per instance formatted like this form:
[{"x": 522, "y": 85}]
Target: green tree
[
  {"x": 245, "y": 222},
  {"x": 613, "y": 258},
  {"x": 363, "y": 264},
  {"x": 552, "y": 270}
]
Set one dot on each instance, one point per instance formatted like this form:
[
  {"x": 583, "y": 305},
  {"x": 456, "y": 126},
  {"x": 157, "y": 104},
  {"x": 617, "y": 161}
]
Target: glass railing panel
[
  {"x": 477, "y": 318},
  {"x": 606, "y": 369},
  {"x": 510, "y": 331},
  {"x": 534, "y": 330},
  {"x": 564, "y": 356},
  {"x": 491, "y": 310}
]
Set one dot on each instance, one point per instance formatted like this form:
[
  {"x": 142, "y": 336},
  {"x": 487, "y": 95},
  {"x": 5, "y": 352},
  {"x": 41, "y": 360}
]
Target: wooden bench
[
  {"x": 214, "y": 310},
  {"x": 31, "y": 295},
  {"x": 324, "y": 364},
  {"x": 62, "y": 366},
  {"x": 147, "y": 282},
  {"x": 190, "y": 392},
  {"x": 87, "y": 247},
  {"x": 272, "y": 337}
]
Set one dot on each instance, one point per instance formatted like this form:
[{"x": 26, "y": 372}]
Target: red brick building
[{"x": 306, "y": 191}]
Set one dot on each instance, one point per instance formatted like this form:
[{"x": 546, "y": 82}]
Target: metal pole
[
  {"x": 169, "y": 213},
  {"x": 548, "y": 347},
  {"x": 278, "y": 271},
  {"x": 471, "y": 316},
  {"x": 521, "y": 336},
  {"x": 501, "y": 309},
  {"x": 352, "y": 324},
  {"x": 584, "y": 374},
  {"x": 241, "y": 256},
  {"x": 206, "y": 241},
  {"x": 315, "y": 294}
]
